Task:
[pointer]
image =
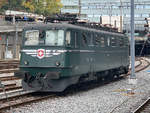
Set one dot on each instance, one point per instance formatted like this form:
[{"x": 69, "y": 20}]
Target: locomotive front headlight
[
  {"x": 26, "y": 62},
  {"x": 57, "y": 63}
]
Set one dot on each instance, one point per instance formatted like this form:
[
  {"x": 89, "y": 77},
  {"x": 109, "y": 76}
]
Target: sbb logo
[{"x": 40, "y": 53}]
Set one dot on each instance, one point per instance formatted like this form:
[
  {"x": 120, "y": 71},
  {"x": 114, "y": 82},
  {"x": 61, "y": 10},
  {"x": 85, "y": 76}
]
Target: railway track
[
  {"x": 141, "y": 66},
  {"x": 8, "y": 78},
  {"x": 10, "y": 87},
  {"x": 8, "y": 70},
  {"x": 8, "y": 66},
  {"x": 144, "y": 63},
  {"x": 144, "y": 108},
  {"x": 22, "y": 99}
]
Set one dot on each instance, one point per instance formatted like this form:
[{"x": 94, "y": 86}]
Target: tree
[
  {"x": 45, "y": 7},
  {"x": 2, "y": 2},
  {"x": 29, "y": 6},
  {"x": 52, "y": 6},
  {"x": 12, "y": 5}
]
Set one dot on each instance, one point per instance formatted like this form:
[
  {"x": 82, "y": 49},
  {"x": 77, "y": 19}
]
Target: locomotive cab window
[
  {"x": 54, "y": 37},
  {"x": 31, "y": 37}
]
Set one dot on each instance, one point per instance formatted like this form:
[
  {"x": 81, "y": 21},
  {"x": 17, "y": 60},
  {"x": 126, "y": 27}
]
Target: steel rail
[
  {"x": 10, "y": 88},
  {"x": 22, "y": 99},
  {"x": 140, "y": 67},
  {"x": 144, "y": 107},
  {"x": 8, "y": 78},
  {"x": 144, "y": 66},
  {"x": 8, "y": 66},
  {"x": 8, "y": 70},
  {"x": 8, "y": 85}
]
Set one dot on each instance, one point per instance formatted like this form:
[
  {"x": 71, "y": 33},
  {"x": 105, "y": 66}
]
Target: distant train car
[
  {"x": 57, "y": 55},
  {"x": 142, "y": 46},
  {"x": 8, "y": 18},
  {"x": 19, "y": 18}
]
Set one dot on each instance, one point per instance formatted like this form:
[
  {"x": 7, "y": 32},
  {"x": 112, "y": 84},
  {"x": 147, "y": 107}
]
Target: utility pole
[{"x": 132, "y": 79}]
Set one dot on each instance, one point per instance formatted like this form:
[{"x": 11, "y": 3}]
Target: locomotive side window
[
  {"x": 68, "y": 38},
  {"x": 54, "y": 37},
  {"x": 97, "y": 40},
  {"x": 32, "y": 37},
  {"x": 108, "y": 41},
  {"x": 126, "y": 42},
  {"x": 84, "y": 39},
  {"x": 121, "y": 42},
  {"x": 91, "y": 42},
  {"x": 102, "y": 42},
  {"x": 76, "y": 40},
  {"x": 113, "y": 42}
]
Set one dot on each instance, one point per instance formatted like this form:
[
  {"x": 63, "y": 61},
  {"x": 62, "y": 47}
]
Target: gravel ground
[{"x": 109, "y": 98}]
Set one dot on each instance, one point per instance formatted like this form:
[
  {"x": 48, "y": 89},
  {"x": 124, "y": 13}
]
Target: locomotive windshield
[
  {"x": 54, "y": 38},
  {"x": 51, "y": 38},
  {"x": 32, "y": 37}
]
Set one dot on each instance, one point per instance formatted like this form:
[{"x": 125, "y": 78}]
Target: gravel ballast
[{"x": 108, "y": 98}]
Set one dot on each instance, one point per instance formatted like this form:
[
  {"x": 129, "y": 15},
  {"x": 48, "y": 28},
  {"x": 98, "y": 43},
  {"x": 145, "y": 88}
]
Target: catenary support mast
[{"x": 132, "y": 45}]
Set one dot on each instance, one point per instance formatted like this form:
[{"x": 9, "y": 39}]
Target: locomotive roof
[{"x": 68, "y": 26}]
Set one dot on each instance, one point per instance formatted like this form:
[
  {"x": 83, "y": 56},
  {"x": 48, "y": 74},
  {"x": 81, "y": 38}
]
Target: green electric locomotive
[{"x": 57, "y": 55}]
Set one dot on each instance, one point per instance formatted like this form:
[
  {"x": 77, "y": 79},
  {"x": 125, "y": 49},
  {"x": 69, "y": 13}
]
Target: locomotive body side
[
  {"x": 61, "y": 55},
  {"x": 98, "y": 53}
]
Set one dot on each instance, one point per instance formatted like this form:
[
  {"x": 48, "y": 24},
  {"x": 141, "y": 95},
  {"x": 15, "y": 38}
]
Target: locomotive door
[
  {"x": 75, "y": 54},
  {"x": 85, "y": 52},
  {"x": 92, "y": 53}
]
